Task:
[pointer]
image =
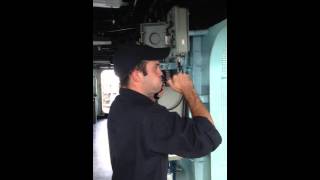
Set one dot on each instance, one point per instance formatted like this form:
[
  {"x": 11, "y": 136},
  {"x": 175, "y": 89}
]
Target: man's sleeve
[{"x": 191, "y": 138}]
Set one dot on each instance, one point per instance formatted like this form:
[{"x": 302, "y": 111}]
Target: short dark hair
[{"x": 142, "y": 67}]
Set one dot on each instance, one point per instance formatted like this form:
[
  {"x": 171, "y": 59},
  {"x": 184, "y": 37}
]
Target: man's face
[{"x": 152, "y": 81}]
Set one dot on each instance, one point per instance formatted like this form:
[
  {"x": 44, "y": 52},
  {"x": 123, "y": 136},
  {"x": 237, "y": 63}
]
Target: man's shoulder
[
  {"x": 120, "y": 104},
  {"x": 156, "y": 108}
]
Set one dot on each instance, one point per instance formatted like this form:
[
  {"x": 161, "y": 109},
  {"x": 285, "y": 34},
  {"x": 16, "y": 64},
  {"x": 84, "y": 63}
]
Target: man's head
[{"x": 140, "y": 64}]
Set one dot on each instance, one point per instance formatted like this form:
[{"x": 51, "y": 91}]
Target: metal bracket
[{"x": 168, "y": 66}]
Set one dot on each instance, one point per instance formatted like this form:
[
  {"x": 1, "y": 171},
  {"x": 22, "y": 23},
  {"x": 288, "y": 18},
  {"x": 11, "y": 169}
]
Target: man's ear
[{"x": 136, "y": 75}]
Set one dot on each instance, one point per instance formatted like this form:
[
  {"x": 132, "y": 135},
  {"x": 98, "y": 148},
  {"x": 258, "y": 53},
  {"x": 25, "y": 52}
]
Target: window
[{"x": 109, "y": 88}]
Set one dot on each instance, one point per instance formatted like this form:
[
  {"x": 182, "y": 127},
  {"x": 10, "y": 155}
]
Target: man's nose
[{"x": 161, "y": 74}]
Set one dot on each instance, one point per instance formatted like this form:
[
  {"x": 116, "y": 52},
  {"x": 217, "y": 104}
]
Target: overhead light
[
  {"x": 98, "y": 43},
  {"x": 109, "y": 3}
]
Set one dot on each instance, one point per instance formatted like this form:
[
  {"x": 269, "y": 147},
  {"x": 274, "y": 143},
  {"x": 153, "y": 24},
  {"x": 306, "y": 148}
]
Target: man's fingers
[{"x": 169, "y": 82}]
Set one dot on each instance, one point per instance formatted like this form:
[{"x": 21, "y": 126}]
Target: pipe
[{"x": 198, "y": 33}]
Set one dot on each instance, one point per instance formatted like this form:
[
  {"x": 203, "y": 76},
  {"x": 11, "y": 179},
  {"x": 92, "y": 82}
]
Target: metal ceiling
[{"x": 116, "y": 21}]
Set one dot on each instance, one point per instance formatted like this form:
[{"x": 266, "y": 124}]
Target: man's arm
[
  {"x": 172, "y": 135},
  {"x": 183, "y": 84}
]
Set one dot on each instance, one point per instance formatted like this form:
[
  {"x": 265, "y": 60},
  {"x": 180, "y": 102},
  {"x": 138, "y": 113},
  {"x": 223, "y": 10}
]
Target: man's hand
[
  {"x": 180, "y": 82},
  {"x": 183, "y": 84}
]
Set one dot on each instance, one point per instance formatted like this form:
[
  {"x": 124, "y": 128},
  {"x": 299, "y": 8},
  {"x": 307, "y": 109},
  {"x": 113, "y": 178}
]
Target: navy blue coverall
[{"x": 142, "y": 133}]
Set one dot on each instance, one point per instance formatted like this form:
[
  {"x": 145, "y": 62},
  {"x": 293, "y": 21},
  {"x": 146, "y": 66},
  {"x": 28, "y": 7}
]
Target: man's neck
[{"x": 141, "y": 91}]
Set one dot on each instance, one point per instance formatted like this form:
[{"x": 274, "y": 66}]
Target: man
[{"x": 141, "y": 132}]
